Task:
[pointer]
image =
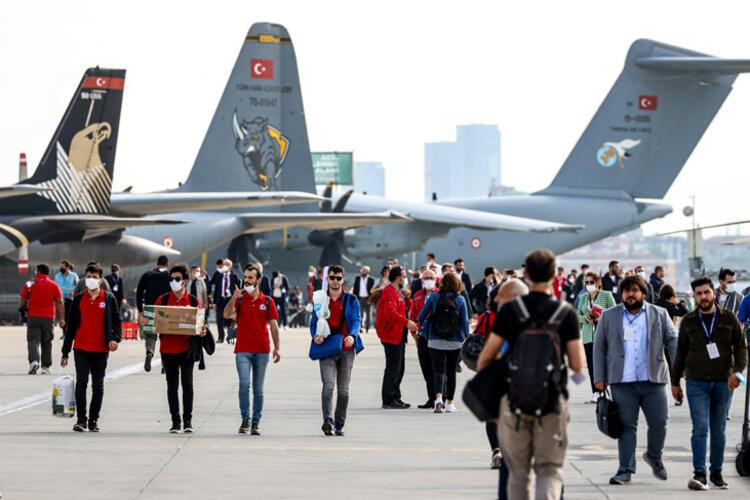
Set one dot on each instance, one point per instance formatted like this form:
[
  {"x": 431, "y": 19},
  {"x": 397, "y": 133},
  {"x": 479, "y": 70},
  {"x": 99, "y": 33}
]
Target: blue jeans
[
  {"x": 708, "y": 409},
  {"x": 257, "y": 363}
]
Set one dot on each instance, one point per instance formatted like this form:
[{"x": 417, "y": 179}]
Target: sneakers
[
  {"x": 594, "y": 398},
  {"x": 339, "y": 431},
  {"x": 187, "y": 427},
  {"x": 93, "y": 427},
  {"x": 395, "y": 405},
  {"x": 328, "y": 428},
  {"x": 717, "y": 482},
  {"x": 657, "y": 467},
  {"x": 244, "y": 426},
  {"x": 33, "y": 367},
  {"x": 147, "y": 363},
  {"x": 255, "y": 429},
  {"x": 402, "y": 404},
  {"x": 698, "y": 483},
  {"x": 439, "y": 406},
  {"x": 620, "y": 478},
  {"x": 450, "y": 408},
  {"x": 45, "y": 370},
  {"x": 429, "y": 404},
  {"x": 175, "y": 429},
  {"x": 80, "y": 426},
  {"x": 497, "y": 459}
]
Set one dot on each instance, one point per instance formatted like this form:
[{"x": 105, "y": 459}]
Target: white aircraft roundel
[
  {"x": 259, "y": 68},
  {"x": 101, "y": 82},
  {"x": 168, "y": 242},
  {"x": 476, "y": 243}
]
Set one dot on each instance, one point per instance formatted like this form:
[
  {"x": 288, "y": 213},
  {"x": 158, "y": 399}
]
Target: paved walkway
[{"x": 386, "y": 454}]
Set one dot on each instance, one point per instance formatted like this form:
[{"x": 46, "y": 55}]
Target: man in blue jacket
[{"x": 336, "y": 352}]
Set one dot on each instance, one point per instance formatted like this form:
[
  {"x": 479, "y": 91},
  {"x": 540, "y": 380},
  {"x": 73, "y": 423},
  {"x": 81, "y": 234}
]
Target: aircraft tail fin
[
  {"x": 257, "y": 139},
  {"x": 649, "y": 123},
  {"x": 78, "y": 164}
]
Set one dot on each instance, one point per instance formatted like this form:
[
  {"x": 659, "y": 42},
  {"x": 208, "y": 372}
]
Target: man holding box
[
  {"x": 254, "y": 312},
  {"x": 174, "y": 348}
]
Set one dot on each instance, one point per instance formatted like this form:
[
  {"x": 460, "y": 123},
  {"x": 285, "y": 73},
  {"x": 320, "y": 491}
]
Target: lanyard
[
  {"x": 631, "y": 321},
  {"x": 710, "y": 331}
]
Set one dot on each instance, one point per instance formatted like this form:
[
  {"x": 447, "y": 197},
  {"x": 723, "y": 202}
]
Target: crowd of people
[{"x": 541, "y": 327}]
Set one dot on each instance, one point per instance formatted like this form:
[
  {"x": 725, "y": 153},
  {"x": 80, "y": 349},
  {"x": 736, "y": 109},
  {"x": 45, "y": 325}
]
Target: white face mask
[
  {"x": 641, "y": 274},
  {"x": 176, "y": 286},
  {"x": 162, "y": 269},
  {"x": 428, "y": 284},
  {"x": 591, "y": 288},
  {"x": 729, "y": 287},
  {"x": 249, "y": 288},
  {"x": 310, "y": 274},
  {"x": 196, "y": 275},
  {"x": 92, "y": 283}
]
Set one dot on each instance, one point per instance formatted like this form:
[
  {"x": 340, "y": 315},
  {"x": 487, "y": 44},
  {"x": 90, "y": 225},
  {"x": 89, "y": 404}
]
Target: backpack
[
  {"x": 535, "y": 364},
  {"x": 445, "y": 316}
]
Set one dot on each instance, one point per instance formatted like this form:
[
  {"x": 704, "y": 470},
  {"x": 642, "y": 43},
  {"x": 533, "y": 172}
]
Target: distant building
[
  {"x": 466, "y": 168},
  {"x": 369, "y": 177}
]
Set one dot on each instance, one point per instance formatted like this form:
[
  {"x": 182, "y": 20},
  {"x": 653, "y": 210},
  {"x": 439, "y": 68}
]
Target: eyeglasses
[
  {"x": 591, "y": 282},
  {"x": 336, "y": 278}
]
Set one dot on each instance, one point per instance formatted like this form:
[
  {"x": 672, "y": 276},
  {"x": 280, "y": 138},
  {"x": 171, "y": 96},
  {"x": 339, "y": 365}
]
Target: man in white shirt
[{"x": 362, "y": 286}]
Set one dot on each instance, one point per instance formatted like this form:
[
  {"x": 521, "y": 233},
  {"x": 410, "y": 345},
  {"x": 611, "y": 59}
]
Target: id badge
[
  {"x": 713, "y": 351},
  {"x": 629, "y": 334}
]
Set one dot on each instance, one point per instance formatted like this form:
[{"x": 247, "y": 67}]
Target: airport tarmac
[{"x": 385, "y": 453}]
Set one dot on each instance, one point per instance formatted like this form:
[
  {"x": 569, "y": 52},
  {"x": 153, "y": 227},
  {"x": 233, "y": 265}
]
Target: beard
[
  {"x": 705, "y": 305},
  {"x": 634, "y": 305}
]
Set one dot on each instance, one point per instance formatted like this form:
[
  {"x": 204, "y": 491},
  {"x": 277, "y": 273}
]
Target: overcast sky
[{"x": 378, "y": 78}]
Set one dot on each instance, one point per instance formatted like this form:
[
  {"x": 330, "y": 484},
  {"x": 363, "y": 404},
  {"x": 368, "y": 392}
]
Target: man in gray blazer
[{"x": 629, "y": 357}]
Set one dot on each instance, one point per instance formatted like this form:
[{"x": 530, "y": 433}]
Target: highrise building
[
  {"x": 369, "y": 177},
  {"x": 466, "y": 168}
]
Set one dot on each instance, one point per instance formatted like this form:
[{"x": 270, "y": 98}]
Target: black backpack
[
  {"x": 445, "y": 316},
  {"x": 535, "y": 365}
]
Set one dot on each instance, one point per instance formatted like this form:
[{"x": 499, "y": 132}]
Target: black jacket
[
  {"x": 678, "y": 310},
  {"x": 609, "y": 285},
  {"x": 112, "y": 324},
  {"x": 479, "y": 296},
  {"x": 217, "y": 283},
  {"x": 415, "y": 286},
  {"x": 153, "y": 284},
  {"x": 368, "y": 286},
  {"x": 116, "y": 285},
  {"x": 466, "y": 280},
  {"x": 265, "y": 285}
]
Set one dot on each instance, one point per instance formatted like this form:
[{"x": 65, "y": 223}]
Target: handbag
[
  {"x": 608, "y": 415},
  {"x": 482, "y": 393},
  {"x": 332, "y": 345}
]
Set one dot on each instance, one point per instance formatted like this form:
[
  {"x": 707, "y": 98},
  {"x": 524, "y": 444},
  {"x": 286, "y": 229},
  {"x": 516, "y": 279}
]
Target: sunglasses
[
  {"x": 591, "y": 282},
  {"x": 336, "y": 278}
]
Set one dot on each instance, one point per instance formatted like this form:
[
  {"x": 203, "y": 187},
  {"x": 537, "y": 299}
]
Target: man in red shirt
[
  {"x": 391, "y": 320},
  {"x": 254, "y": 312},
  {"x": 429, "y": 285},
  {"x": 178, "y": 365},
  {"x": 39, "y": 298},
  {"x": 559, "y": 282},
  {"x": 94, "y": 329}
]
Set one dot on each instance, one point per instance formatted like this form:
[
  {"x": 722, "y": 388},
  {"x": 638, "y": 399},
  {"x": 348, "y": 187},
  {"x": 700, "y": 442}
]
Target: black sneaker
[
  {"x": 175, "y": 429},
  {"x": 255, "y": 429},
  {"x": 339, "y": 431},
  {"x": 33, "y": 367},
  {"x": 93, "y": 427},
  {"x": 80, "y": 426},
  {"x": 187, "y": 426},
  {"x": 328, "y": 428},
  {"x": 244, "y": 426},
  {"x": 392, "y": 406},
  {"x": 698, "y": 483},
  {"x": 147, "y": 363},
  {"x": 430, "y": 404},
  {"x": 402, "y": 404},
  {"x": 717, "y": 482}
]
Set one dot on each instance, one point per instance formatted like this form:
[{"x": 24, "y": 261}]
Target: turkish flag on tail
[{"x": 648, "y": 102}]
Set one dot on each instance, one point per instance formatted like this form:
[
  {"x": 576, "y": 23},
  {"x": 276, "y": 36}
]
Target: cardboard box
[{"x": 173, "y": 320}]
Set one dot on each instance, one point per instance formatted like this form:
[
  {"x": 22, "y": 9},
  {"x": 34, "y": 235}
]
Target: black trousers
[
  {"x": 281, "y": 309},
  {"x": 221, "y": 323},
  {"x": 395, "y": 362},
  {"x": 94, "y": 364},
  {"x": 444, "y": 371},
  {"x": 425, "y": 363},
  {"x": 179, "y": 369},
  {"x": 589, "y": 350}
]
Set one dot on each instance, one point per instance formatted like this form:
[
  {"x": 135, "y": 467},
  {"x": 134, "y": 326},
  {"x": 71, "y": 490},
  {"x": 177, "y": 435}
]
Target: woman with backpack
[
  {"x": 446, "y": 327},
  {"x": 591, "y": 304}
]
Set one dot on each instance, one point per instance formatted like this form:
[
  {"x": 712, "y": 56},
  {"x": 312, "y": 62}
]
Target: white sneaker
[
  {"x": 594, "y": 398},
  {"x": 450, "y": 408},
  {"x": 33, "y": 367},
  {"x": 45, "y": 370},
  {"x": 439, "y": 406}
]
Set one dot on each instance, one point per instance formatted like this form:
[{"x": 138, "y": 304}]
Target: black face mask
[{"x": 63, "y": 270}]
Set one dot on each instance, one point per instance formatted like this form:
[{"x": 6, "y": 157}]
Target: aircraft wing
[
  {"x": 273, "y": 221},
  {"x": 20, "y": 190},
  {"x": 175, "y": 202},
  {"x": 87, "y": 222}
]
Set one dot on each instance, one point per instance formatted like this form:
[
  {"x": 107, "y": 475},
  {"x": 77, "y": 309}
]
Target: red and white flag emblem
[
  {"x": 648, "y": 102},
  {"x": 261, "y": 68}
]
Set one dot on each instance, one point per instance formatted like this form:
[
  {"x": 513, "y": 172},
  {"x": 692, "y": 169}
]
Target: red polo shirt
[
  {"x": 337, "y": 321},
  {"x": 90, "y": 335},
  {"x": 44, "y": 294},
  {"x": 175, "y": 344},
  {"x": 253, "y": 316}
]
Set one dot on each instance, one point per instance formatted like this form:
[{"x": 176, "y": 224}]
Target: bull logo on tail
[{"x": 263, "y": 149}]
